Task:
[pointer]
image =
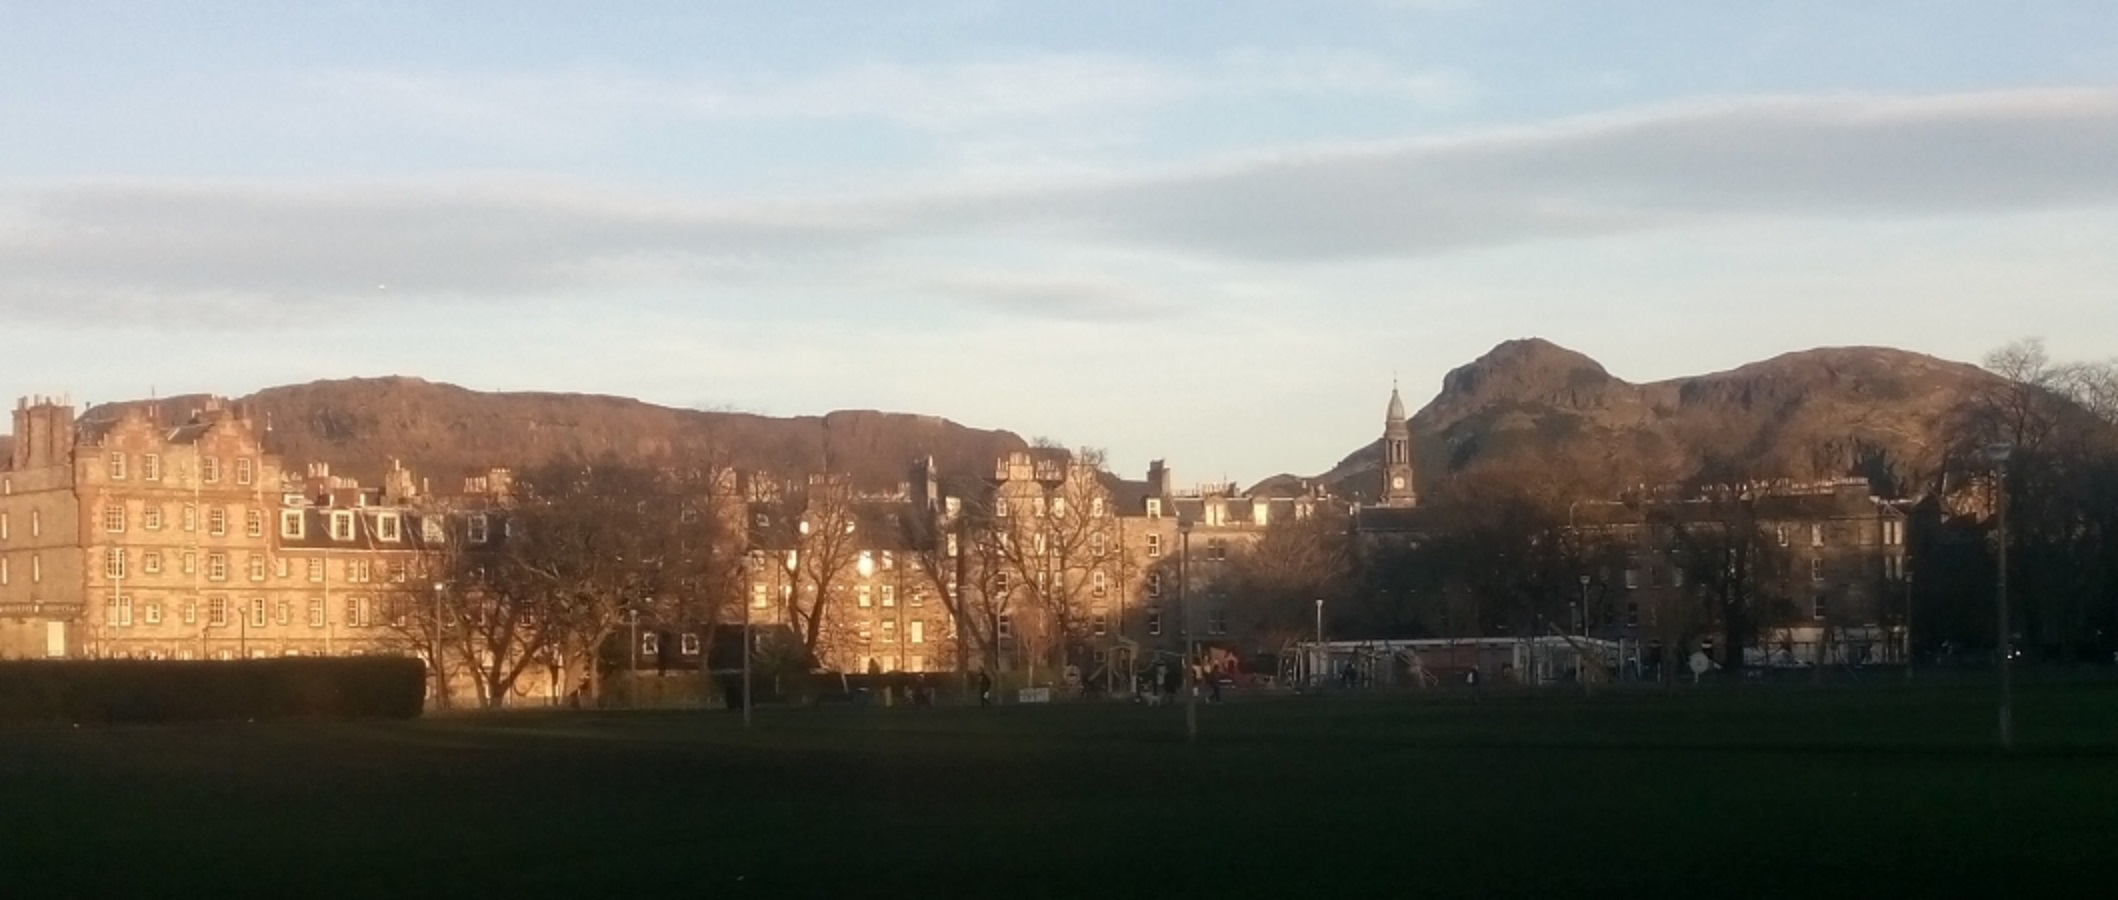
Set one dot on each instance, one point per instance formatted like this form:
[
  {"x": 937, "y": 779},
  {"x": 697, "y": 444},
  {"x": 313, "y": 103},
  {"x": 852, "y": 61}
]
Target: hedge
[{"x": 82, "y": 691}]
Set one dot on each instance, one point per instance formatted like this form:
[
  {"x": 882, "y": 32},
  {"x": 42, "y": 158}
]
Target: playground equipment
[{"x": 1426, "y": 663}]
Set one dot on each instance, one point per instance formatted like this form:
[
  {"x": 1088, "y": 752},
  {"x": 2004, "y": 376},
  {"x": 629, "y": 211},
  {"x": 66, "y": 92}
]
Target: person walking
[{"x": 985, "y": 688}]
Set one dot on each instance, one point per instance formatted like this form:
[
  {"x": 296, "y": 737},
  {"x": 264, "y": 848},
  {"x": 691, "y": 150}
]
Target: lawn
[{"x": 1764, "y": 791}]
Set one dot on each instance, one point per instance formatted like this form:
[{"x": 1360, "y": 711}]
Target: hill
[
  {"x": 442, "y": 431},
  {"x": 1534, "y": 406}
]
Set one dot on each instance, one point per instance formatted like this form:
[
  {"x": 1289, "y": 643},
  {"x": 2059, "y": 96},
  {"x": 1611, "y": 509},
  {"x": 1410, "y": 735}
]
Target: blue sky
[{"x": 1211, "y": 232}]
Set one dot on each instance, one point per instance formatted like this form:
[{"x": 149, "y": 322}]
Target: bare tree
[
  {"x": 827, "y": 544},
  {"x": 1059, "y": 544}
]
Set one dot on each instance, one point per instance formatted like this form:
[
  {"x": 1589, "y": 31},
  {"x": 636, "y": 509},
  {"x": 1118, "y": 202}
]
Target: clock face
[{"x": 1398, "y": 482}]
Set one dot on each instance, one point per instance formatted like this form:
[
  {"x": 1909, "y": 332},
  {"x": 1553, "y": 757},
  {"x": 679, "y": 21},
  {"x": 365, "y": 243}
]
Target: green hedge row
[{"x": 78, "y": 691}]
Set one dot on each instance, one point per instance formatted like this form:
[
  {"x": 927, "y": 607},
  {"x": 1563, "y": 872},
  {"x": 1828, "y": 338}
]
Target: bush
[{"x": 53, "y": 691}]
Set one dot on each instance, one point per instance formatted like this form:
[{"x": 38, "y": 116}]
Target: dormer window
[
  {"x": 430, "y": 531},
  {"x": 290, "y": 524},
  {"x": 341, "y": 525},
  {"x": 386, "y": 527},
  {"x": 479, "y": 529}
]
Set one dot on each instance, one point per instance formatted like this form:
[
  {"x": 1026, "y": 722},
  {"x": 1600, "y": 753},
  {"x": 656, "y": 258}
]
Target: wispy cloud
[{"x": 228, "y": 247}]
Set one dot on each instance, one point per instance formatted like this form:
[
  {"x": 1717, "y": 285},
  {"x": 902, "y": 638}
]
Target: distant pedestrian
[{"x": 985, "y": 688}]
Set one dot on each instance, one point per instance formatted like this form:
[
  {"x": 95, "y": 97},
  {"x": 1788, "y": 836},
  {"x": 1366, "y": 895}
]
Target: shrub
[{"x": 53, "y": 691}]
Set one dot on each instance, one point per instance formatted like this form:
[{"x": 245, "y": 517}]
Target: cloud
[
  {"x": 1062, "y": 298},
  {"x": 227, "y": 247},
  {"x": 939, "y": 96}
]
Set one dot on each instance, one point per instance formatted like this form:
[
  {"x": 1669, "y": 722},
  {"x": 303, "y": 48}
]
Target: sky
[{"x": 1211, "y": 232}]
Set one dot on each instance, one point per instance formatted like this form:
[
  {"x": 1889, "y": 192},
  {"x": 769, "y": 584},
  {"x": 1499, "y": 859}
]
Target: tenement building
[{"x": 124, "y": 536}]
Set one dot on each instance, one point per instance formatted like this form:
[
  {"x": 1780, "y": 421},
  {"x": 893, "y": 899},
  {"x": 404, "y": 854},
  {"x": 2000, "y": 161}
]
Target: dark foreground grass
[{"x": 1751, "y": 793}]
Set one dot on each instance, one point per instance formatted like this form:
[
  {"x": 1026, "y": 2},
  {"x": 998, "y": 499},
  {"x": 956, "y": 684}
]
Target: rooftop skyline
[{"x": 1212, "y": 232}]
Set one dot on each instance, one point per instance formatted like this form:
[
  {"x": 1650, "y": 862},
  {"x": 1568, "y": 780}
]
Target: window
[
  {"x": 316, "y": 612},
  {"x": 889, "y": 560},
  {"x": 1154, "y": 584},
  {"x": 757, "y": 596},
  {"x": 889, "y": 631},
  {"x": 650, "y": 644},
  {"x": 1154, "y": 546},
  {"x": 1095, "y": 507},
  {"x": 688, "y": 643},
  {"x": 360, "y": 571},
  {"x": 1098, "y": 583},
  {"x": 1819, "y": 609},
  {"x": 283, "y": 612},
  {"x": 290, "y": 524},
  {"x": 217, "y": 612},
  {"x": 257, "y": 612},
  {"x": 1099, "y": 625},
  {"x": 1632, "y": 579},
  {"x": 119, "y": 612},
  {"x": 1217, "y": 549},
  {"x": 862, "y": 592},
  {"x": 1893, "y": 532},
  {"x": 1632, "y": 613},
  {"x": 243, "y": 470},
  {"x": 478, "y": 529},
  {"x": 3, "y": 526},
  {"x": 114, "y": 563},
  {"x": 113, "y": 517},
  {"x": 1000, "y": 583},
  {"x": 341, "y": 525},
  {"x": 1154, "y": 507},
  {"x": 151, "y": 517},
  {"x": 210, "y": 469},
  {"x": 1005, "y": 627},
  {"x": 191, "y": 612},
  {"x": 191, "y": 517},
  {"x": 1816, "y": 570},
  {"x": 1816, "y": 534},
  {"x": 386, "y": 527},
  {"x": 257, "y": 567},
  {"x": 151, "y": 562},
  {"x": 151, "y": 467},
  {"x": 1780, "y": 534},
  {"x": 954, "y": 548},
  {"x": 36, "y": 568},
  {"x": 1676, "y": 576},
  {"x": 916, "y": 632},
  {"x": 1000, "y": 507},
  {"x": 1037, "y": 507},
  {"x": 117, "y": 466},
  {"x": 36, "y": 522},
  {"x": 1095, "y": 544},
  {"x": 254, "y": 522},
  {"x": 279, "y": 566},
  {"x": 152, "y": 612},
  {"x": 191, "y": 562},
  {"x": 3, "y": 570},
  {"x": 1154, "y": 620},
  {"x": 1217, "y": 621},
  {"x": 889, "y": 595},
  {"x": 217, "y": 521},
  {"x": 217, "y": 566},
  {"x": 316, "y": 569},
  {"x": 1654, "y": 576},
  {"x": 357, "y": 610}
]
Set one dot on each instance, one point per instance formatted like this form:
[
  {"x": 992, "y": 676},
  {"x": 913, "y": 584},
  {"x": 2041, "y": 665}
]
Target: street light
[
  {"x": 1319, "y": 639},
  {"x": 441, "y": 692},
  {"x": 1999, "y": 454},
  {"x": 1191, "y": 702},
  {"x": 755, "y": 562}
]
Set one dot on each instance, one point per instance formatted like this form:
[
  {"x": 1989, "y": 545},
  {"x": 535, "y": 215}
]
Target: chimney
[{"x": 1157, "y": 479}]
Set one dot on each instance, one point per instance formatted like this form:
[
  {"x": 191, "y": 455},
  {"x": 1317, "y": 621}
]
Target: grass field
[{"x": 1760, "y": 792}]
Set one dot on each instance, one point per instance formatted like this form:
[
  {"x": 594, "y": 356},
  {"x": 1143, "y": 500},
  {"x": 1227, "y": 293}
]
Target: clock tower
[{"x": 1397, "y": 455}]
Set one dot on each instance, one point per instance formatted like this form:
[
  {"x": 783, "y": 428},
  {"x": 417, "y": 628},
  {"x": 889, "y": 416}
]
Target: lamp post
[
  {"x": 756, "y": 564},
  {"x": 1319, "y": 639},
  {"x": 1999, "y": 454},
  {"x": 632, "y": 668},
  {"x": 1191, "y": 700},
  {"x": 441, "y": 690},
  {"x": 1580, "y": 627}
]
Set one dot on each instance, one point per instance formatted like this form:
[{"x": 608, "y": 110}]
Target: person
[{"x": 985, "y": 688}]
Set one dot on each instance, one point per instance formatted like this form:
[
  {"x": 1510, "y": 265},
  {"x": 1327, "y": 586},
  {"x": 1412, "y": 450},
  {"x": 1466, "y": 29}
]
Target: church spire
[{"x": 1397, "y": 454}]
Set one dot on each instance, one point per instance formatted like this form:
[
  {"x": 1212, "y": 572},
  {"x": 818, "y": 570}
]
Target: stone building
[
  {"x": 1823, "y": 565},
  {"x": 127, "y": 536}
]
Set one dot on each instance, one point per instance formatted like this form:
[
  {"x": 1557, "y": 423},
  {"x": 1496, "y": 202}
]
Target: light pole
[
  {"x": 1999, "y": 454},
  {"x": 1580, "y": 624},
  {"x": 1191, "y": 701},
  {"x": 1311, "y": 662},
  {"x": 441, "y": 691},
  {"x": 756, "y": 564},
  {"x": 632, "y": 669}
]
